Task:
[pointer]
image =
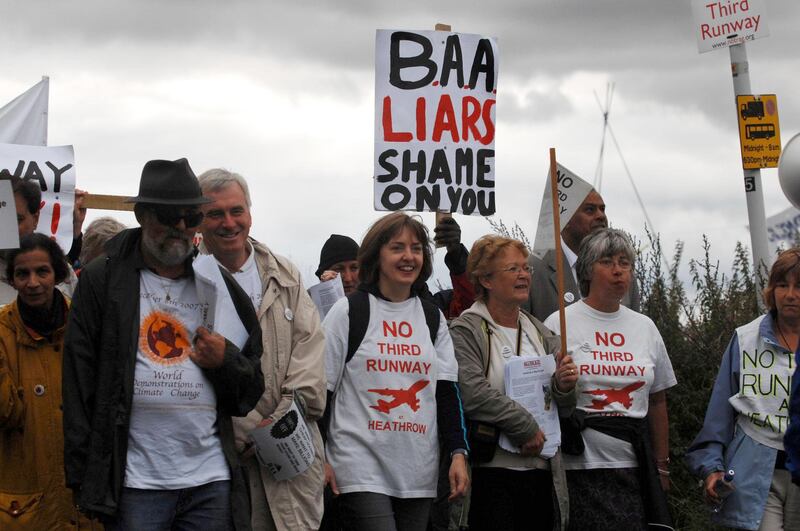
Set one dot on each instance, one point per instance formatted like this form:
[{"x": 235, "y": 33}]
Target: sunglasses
[{"x": 170, "y": 216}]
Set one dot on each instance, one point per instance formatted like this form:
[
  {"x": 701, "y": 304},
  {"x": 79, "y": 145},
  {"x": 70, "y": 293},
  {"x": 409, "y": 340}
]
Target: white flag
[
  {"x": 23, "y": 120},
  {"x": 572, "y": 190}
]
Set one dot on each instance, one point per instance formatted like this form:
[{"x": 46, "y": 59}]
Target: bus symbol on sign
[
  {"x": 759, "y": 132},
  {"x": 754, "y": 131}
]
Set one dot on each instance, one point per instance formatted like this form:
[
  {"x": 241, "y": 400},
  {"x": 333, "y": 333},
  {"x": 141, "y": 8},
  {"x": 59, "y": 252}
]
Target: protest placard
[
  {"x": 435, "y": 95},
  {"x": 572, "y": 190},
  {"x": 53, "y": 169},
  {"x": 9, "y": 239},
  {"x": 783, "y": 230}
]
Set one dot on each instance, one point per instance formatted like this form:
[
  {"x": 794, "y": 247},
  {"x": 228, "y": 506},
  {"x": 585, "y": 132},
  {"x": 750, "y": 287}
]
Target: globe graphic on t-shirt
[{"x": 164, "y": 341}]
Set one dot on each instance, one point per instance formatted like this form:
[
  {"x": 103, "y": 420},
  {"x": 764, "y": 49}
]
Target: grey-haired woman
[{"x": 618, "y": 477}]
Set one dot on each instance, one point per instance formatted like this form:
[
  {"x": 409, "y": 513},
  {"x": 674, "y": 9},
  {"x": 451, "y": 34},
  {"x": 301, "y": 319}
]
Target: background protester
[
  {"x": 543, "y": 299},
  {"x": 512, "y": 489},
  {"x": 453, "y": 301},
  {"x": 293, "y": 351},
  {"x": 618, "y": 480},
  {"x": 32, "y": 491},
  {"x": 392, "y": 399},
  {"x": 149, "y": 392},
  {"x": 339, "y": 257},
  {"x": 95, "y": 237},
  {"x": 747, "y": 413}
]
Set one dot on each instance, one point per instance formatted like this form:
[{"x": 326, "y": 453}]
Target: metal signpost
[{"x": 730, "y": 24}]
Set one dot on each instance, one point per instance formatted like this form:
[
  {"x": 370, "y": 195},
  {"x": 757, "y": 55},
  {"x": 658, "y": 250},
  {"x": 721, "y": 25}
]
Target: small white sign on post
[
  {"x": 718, "y": 25},
  {"x": 53, "y": 169},
  {"x": 435, "y": 95},
  {"x": 9, "y": 238}
]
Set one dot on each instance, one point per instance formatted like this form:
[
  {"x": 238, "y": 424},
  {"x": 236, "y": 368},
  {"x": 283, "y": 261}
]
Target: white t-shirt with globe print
[
  {"x": 173, "y": 440},
  {"x": 621, "y": 361}
]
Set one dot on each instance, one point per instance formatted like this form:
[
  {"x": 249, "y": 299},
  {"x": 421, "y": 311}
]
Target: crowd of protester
[{"x": 124, "y": 407}]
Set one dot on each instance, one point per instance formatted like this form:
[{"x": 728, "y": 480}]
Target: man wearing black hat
[
  {"x": 339, "y": 257},
  {"x": 293, "y": 352},
  {"x": 148, "y": 392}
]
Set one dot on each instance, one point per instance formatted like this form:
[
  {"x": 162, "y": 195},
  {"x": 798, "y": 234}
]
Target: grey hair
[
  {"x": 95, "y": 237},
  {"x": 216, "y": 179},
  {"x": 601, "y": 243}
]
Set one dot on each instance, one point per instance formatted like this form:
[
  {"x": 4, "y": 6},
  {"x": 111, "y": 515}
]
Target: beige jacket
[{"x": 293, "y": 364}]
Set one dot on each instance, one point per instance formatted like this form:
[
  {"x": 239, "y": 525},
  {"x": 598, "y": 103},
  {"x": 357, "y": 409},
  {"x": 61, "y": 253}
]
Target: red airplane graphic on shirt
[
  {"x": 623, "y": 396},
  {"x": 401, "y": 396}
]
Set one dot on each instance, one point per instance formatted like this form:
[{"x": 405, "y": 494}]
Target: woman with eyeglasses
[
  {"x": 748, "y": 412},
  {"x": 619, "y": 434},
  {"x": 511, "y": 489}
]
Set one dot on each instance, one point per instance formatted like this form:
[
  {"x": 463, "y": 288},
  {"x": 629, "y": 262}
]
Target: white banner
[
  {"x": 53, "y": 169},
  {"x": 783, "y": 230},
  {"x": 435, "y": 95},
  {"x": 572, "y": 190},
  {"x": 23, "y": 120}
]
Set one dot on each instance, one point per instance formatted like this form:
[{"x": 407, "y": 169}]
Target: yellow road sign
[{"x": 759, "y": 132}]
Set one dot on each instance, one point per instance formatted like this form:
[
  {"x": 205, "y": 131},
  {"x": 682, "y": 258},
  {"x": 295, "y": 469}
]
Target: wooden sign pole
[
  {"x": 559, "y": 254},
  {"x": 439, "y": 214},
  {"x": 107, "y": 202}
]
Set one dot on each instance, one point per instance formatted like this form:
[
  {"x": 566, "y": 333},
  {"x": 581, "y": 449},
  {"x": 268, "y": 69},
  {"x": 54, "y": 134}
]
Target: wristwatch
[{"x": 461, "y": 451}]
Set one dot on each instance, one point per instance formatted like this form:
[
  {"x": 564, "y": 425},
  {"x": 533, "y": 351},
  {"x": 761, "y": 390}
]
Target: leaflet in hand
[
  {"x": 325, "y": 294},
  {"x": 285, "y": 447},
  {"x": 527, "y": 380}
]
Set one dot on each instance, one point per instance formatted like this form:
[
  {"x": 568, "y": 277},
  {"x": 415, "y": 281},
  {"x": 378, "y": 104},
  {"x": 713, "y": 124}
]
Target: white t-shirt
[
  {"x": 248, "y": 278},
  {"x": 173, "y": 441},
  {"x": 383, "y": 436},
  {"x": 621, "y": 361}
]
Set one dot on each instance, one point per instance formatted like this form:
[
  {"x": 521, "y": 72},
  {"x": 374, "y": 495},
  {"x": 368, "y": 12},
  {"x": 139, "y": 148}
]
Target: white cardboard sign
[
  {"x": 53, "y": 169},
  {"x": 721, "y": 24},
  {"x": 9, "y": 239},
  {"x": 572, "y": 190},
  {"x": 435, "y": 95}
]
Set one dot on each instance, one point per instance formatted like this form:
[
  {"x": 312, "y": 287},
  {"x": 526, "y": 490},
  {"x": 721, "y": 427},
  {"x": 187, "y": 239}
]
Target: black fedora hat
[{"x": 169, "y": 182}]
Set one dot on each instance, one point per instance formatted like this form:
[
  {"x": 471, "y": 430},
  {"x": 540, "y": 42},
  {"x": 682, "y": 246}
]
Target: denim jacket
[{"x": 722, "y": 444}]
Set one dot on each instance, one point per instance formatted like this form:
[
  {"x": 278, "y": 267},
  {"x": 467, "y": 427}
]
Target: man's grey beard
[{"x": 171, "y": 255}]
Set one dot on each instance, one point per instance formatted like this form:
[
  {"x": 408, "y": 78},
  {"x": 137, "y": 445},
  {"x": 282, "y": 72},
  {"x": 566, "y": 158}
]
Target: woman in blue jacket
[{"x": 748, "y": 413}]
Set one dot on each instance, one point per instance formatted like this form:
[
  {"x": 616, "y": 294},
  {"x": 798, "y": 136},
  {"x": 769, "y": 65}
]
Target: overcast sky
[{"x": 283, "y": 93}]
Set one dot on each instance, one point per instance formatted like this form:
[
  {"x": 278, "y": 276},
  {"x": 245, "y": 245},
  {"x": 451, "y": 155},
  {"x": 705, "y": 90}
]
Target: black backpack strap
[
  {"x": 358, "y": 321},
  {"x": 432, "y": 316}
]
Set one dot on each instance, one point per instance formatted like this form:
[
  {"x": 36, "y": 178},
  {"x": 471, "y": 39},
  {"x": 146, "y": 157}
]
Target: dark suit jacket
[{"x": 543, "y": 298}]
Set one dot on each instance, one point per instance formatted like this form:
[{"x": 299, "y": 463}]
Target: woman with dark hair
[
  {"x": 393, "y": 392},
  {"x": 618, "y": 473},
  {"x": 510, "y": 488},
  {"x": 32, "y": 490},
  {"x": 747, "y": 414}
]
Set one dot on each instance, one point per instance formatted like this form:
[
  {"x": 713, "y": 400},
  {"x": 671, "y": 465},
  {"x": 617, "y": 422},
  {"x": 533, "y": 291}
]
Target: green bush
[{"x": 696, "y": 331}]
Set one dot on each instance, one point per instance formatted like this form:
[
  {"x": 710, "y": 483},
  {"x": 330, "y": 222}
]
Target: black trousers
[{"x": 511, "y": 500}]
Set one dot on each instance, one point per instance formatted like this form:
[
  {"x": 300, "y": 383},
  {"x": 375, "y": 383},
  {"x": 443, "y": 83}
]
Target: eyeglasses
[
  {"x": 622, "y": 263},
  {"x": 170, "y": 216},
  {"x": 516, "y": 270}
]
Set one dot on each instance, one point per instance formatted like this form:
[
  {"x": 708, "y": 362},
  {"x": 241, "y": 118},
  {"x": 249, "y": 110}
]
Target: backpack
[{"x": 359, "y": 320}]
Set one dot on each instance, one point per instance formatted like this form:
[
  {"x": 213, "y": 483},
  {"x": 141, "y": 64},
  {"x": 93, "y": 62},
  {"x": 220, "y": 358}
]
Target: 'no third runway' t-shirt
[
  {"x": 173, "y": 441},
  {"x": 383, "y": 435},
  {"x": 621, "y": 361}
]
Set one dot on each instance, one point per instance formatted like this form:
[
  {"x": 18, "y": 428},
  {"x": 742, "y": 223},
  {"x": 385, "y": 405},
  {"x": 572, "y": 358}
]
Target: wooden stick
[
  {"x": 439, "y": 214},
  {"x": 107, "y": 202},
  {"x": 559, "y": 257}
]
